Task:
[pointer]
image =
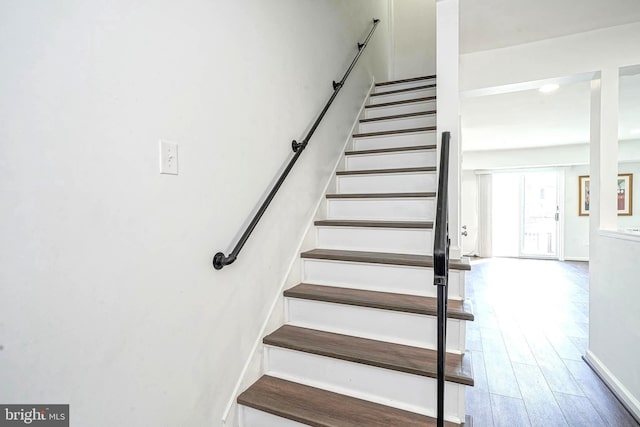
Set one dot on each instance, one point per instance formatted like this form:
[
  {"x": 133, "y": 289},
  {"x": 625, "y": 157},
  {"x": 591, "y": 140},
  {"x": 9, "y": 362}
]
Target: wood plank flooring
[{"x": 530, "y": 332}]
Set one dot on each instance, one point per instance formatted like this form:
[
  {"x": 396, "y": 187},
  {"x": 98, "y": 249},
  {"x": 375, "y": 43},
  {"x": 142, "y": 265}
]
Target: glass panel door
[
  {"x": 506, "y": 214},
  {"x": 540, "y": 215}
]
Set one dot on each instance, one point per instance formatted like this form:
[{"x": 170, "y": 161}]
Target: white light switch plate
[{"x": 169, "y": 157}]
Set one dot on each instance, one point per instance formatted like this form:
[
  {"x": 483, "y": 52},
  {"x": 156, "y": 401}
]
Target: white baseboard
[
  {"x": 576, "y": 258},
  {"x": 622, "y": 393},
  {"x": 228, "y": 417}
]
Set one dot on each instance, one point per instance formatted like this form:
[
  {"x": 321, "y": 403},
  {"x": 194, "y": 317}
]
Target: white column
[
  {"x": 448, "y": 107},
  {"x": 604, "y": 153}
]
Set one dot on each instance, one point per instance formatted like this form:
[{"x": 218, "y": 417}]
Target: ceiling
[
  {"x": 530, "y": 118},
  {"x": 525, "y": 117},
  {"x": 492, "y": 24}
]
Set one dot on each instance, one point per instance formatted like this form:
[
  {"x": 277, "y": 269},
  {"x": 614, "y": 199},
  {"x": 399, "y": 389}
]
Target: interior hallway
[{"x": 530, "y": 332}]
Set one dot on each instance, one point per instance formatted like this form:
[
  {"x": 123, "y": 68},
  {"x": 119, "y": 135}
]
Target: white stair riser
[
  {"x": 395, "y": 141},
  {"x": 392, "y": 110},
  {"x": 383, "y": 325},
  {"x": 401, "y": 390},
  {"x": 250, "y": 417},
  {"x": 387, "y": 183},
  {"x": 397, "y": 86},
  {"x": 402, "y": 159},
  {"x": 398, "y": 209},
  {"x": 377, "y": 239},
  {"x": 394, "y": 124},
  {"x": 401, "y": 96},
  {"x": 379, "y": 277}
]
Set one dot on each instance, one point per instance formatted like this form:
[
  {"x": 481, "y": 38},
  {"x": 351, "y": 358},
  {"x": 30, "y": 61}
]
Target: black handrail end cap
[
  {"x": 375, "y": 20},
  {"x": 218, "y": 261}
]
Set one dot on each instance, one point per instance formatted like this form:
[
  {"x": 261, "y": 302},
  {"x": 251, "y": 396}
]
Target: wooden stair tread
[
  {"x": 382, "y": 258},
  {"x": 413, "y": 79},
  {"x": 380, "y": 195},
  {"x": 404, "y": 101},
  {"x": 393, "y": 170},
  {"x": 390, "y": 150},
  {"x": 374, "y": 224},
  {"x": 382, "y": 300},
  {"x": 394, "y": 132},
  {"x": 382, "y": 354},
  {"x": 322, "y": 408},
  {"x": 399, "y": 116},
  {"x": 410, "y": 89}
]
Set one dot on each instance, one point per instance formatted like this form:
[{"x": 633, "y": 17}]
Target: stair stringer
[{"x": 254, "y": 366}]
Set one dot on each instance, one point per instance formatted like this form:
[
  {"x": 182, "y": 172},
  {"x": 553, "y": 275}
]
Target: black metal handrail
[
  {"x": 441, "y": 245},
  {"x": 219, "y": 259}
]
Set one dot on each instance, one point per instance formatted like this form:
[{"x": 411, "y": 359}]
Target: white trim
[
  {"x": 577, "y": 258},
  {"x": 619, "y": 390},
  {"x": 392, "y": 44},
  {"x": 620, "y": 235},
  {"x": 561, "y": 237},
  {"x": 295, "y": 258}
]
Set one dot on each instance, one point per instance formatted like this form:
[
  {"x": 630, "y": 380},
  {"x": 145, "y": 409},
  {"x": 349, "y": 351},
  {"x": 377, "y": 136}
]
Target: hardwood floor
[{"x": 530, "y": 331}]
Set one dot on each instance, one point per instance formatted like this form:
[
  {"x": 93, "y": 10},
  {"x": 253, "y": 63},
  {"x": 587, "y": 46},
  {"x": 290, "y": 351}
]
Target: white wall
[
  {"x": 414, "y": 38},
  {"x": 576, "y": 227},
  {"x": 614, "y": 335},
  {"x": 469, "y": 211},
  {"x": 108, "y": 299},
  {"x": 573, "y": 160},
  {"x": 526, "y": 157},
  {"x": 559, "y": 155}
]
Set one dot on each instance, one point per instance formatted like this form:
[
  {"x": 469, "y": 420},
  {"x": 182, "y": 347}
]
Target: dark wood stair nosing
[
  {"x": 425, "y": 195},
  {"x": 429, "y": 169},
  {"x": 415, "y": 304},
  {"x": 404, "y": 101},
  {"x": 409, "y": 89},
  {"x": 421, "y": 225},
  {"x": 409, "y": 80},
  {"x": 385, "y": 258},
  {"x": 399, "y": 116},
  {"x": 391, "y": 150},
  {"x": 394, "y": 132},
  {"x": 396, "y": 357}
]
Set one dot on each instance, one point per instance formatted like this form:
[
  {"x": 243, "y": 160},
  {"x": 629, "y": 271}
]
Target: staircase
[{"x": 358, "y": 348}]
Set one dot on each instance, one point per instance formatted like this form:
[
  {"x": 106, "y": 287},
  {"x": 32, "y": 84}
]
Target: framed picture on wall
[
  {"x": 624, "y": 195},
  {"x": 584, "y": 195}
]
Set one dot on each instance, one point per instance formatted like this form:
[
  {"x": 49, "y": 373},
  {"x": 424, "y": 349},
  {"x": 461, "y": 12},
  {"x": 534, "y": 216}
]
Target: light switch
[{"x": 169, "y": 157}]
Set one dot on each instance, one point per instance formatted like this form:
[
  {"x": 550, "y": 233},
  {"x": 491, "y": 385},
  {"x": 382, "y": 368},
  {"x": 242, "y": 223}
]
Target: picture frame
[
  {"x": 624, "y": 194},
  {"x": 584, "y": 192}
]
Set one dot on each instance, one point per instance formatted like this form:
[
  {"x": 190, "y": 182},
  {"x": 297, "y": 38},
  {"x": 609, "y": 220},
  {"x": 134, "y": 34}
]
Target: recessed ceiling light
[
  {"x": 549, "y": 88},
  {"x": 634, "y": 131}
]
